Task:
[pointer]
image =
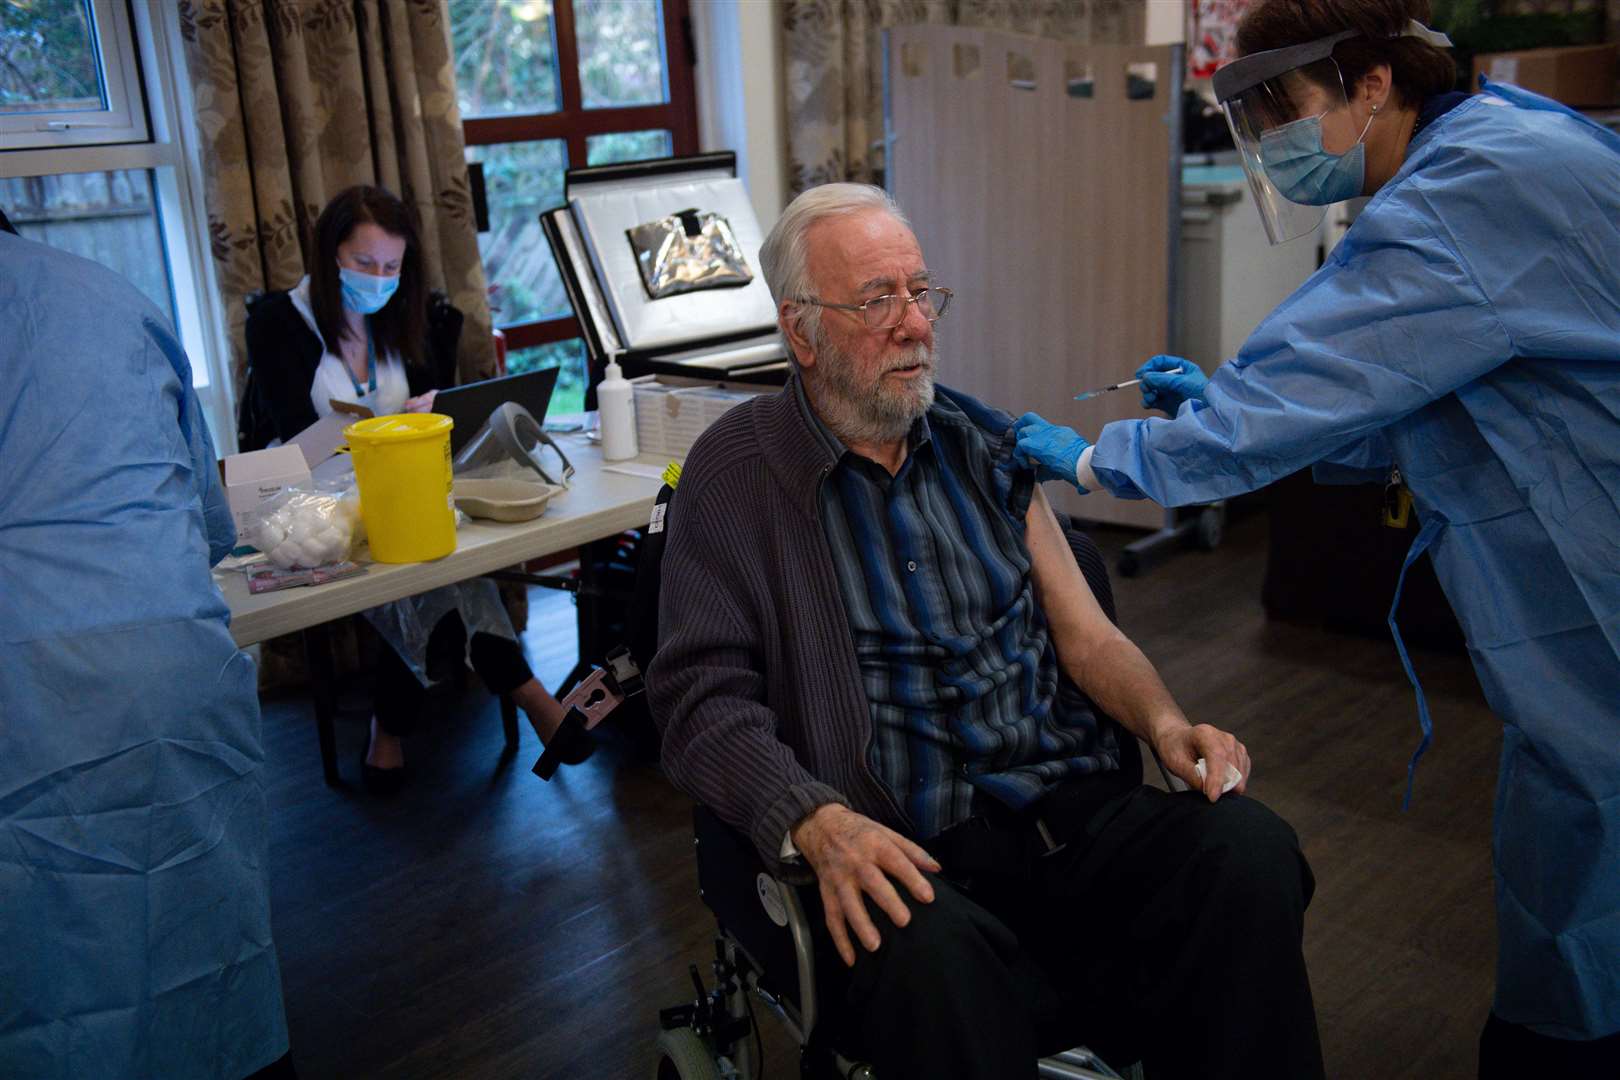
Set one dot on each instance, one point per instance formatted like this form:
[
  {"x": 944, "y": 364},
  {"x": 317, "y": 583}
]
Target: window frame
[
  {"x": 171, "y": 154},
  {"x": 122, "y": 120},
  {"x": 573, "y": 124}
]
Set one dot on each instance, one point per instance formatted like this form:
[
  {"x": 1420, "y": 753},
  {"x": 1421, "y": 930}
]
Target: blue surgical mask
[
  {"x": 366, "y": 293},
  {"x": 1305, "y": 173}
]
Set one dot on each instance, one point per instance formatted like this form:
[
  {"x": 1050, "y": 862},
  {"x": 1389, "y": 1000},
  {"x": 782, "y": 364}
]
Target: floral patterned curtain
[
  {"x": 834, "y": 66},
  {"x": 299, "y": 99}
]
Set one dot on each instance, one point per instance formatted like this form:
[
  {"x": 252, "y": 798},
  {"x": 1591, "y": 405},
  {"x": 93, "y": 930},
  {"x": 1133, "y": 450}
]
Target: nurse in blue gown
[
  {"x": 1463, "y": 338},
  {"x": 134, "y": 891}
]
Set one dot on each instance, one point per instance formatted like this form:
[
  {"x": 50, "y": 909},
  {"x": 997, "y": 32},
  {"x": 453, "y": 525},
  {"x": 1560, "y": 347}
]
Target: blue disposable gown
[
  {"x": 134, "y": 895},
  {"x": 1467, "y": 328}
]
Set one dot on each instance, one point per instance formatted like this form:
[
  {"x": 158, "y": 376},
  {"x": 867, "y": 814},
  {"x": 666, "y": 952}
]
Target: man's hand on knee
[
  {"x": 852, "y": 854},
  {"x": 1180, "y": 745}
]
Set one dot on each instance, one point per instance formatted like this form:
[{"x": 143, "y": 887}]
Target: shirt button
[{"x": 912, "y": 566}]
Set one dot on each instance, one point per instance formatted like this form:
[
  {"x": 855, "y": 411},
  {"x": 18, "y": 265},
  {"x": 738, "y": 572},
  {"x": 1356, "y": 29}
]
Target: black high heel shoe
[{"x": 383, "y": 783}]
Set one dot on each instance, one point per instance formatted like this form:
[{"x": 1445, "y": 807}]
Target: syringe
[{"x": 1106, "y": 390}]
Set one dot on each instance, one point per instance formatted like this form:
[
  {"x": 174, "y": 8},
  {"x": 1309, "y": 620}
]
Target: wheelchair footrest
[{"x": 569, "y": 745}]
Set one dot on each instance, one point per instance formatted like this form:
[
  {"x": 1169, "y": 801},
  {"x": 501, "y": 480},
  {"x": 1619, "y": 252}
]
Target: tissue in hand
[{"x": 1233, "y": 777}]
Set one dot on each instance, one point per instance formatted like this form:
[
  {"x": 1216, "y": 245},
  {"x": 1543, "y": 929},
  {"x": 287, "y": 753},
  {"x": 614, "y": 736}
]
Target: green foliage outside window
[
  {"x": 621, "y": 59},
  {"x": 569, "y": 397},
  {"x": 506, "y": 59},
  {"x": 627, "y": 146},
  {"x": 47, "y": 59},
  {"x": 504, "y": 55},
  {"x": 520, "y": 181}
]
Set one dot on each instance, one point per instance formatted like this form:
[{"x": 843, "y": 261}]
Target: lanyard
[{"x": 371, "y": 369}]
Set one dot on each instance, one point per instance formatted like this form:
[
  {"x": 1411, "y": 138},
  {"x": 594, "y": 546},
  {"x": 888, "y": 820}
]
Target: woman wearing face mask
[
  {"x": 1463, "y": 339},
  {"x": 360, "y": 328}
]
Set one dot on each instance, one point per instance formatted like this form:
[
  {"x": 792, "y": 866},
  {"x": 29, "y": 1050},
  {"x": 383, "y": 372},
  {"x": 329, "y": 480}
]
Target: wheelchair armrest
[
  {"x": 757, "y": 911},
  {"x": 731, "y": 879}
]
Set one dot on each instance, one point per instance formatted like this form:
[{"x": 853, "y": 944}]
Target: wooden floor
[{"x": 486, "y": 924}]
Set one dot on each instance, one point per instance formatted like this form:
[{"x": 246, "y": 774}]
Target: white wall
[
  {"x": 740, "y": 94},
  {"x": 1166, "y": 22}
]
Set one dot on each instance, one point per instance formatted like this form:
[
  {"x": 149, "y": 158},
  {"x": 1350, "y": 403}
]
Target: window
[
  {"x": 94, "y": 160},
  {"x": 68, "y": 74},
  {"x": 543, "y": 85}
]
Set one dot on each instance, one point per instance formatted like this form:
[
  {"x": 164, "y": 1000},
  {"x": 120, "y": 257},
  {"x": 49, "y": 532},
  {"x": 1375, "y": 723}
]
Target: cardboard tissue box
[
  {"x": 258, "y": 475},
  {"x": 671, "y": 412}
]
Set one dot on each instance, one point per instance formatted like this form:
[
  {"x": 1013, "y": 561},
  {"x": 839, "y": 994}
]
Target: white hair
[{"x": 785, "y": 255}]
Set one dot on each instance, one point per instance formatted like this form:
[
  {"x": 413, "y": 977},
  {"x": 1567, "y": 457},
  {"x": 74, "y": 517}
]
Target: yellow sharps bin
[{"x": 402, "y": 464}]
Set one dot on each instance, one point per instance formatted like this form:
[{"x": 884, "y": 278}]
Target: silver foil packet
[{"x": 687, "y": 251}]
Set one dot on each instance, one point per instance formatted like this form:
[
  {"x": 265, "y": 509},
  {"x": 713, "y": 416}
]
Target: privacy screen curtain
[
  {"x": 297, "y": 100},
  {"x": 834, "y": 59}
]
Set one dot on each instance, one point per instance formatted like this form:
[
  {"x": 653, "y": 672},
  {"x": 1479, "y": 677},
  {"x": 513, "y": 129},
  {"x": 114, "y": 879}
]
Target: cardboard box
[
  {"x": 320, "y": 442},
  {"x": 258, "y": 475},
  {"x": 672, "y": 412},
  {"x": 1577, "y": 75}
]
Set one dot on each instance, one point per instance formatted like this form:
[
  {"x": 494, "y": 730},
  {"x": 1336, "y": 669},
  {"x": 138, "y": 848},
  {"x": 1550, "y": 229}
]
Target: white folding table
[{"x": 601, "y": 503}]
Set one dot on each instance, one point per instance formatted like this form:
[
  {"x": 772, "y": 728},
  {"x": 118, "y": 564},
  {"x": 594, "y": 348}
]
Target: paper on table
[{"x": 633, "y": 468}]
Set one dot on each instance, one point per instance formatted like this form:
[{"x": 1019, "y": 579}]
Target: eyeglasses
[{"x": 887, "y": 312}]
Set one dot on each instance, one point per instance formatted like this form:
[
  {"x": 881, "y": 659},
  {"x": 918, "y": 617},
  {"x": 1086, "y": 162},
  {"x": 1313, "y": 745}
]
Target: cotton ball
[
  {"x": 285, "y": 554},
  {"x": 267, "y": 534},
  {"x": 301, "y": 554},
  {"x": 318, "y": 551},
  {"x": 301, "y": 529},
  {"x": 333, "y": 540}
]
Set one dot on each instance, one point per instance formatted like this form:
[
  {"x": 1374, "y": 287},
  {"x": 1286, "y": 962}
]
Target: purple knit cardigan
[{"x": 755, "y": 685}]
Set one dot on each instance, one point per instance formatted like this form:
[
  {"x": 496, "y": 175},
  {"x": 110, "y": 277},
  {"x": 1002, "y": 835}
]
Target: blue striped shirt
[{"x": 955, "y": 655}]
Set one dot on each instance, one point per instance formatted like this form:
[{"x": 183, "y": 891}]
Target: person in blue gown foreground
[
  {"x": 134, "y": 886},
  {"x": 1463, "y": 338}
]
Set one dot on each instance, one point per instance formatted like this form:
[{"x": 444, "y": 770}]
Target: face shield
[{"x": 1275, "y": 102}]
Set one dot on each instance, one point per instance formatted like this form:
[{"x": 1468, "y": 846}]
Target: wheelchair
[{"x": 764, "y": 952}]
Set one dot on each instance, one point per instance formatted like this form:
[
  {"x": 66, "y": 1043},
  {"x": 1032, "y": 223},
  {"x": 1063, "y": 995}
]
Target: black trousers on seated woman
[{"x": 398, "y": 696}]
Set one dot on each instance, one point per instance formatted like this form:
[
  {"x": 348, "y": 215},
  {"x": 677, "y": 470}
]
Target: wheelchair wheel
[{"x": 682, "y": 1055}]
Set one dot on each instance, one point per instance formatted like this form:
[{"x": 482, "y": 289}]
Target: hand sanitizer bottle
[{"x": 616, "y": 402}]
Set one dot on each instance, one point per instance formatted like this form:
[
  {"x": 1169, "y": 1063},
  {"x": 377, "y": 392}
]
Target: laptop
[{"x": 470, "y": 405}]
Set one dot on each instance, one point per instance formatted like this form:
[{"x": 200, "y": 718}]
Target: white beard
[{"x": 873, "y": 413}]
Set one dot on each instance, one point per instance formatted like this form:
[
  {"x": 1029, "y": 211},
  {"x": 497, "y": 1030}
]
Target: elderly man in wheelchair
[{"x": 880, "y": 662}]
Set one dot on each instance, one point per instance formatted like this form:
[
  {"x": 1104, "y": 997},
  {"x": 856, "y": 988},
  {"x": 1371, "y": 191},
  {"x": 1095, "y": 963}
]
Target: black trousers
[
  {"x": 398, "y": 696},
  {"x": 1163, "y": 929}
]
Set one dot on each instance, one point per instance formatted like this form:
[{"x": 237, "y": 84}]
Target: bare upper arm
[{"x": 1077, "y": 620}]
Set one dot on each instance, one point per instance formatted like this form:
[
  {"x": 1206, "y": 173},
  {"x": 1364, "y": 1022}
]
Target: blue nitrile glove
[
  {"x": 1053, "y": 450},
  {"x": 1167, "y": 381}
]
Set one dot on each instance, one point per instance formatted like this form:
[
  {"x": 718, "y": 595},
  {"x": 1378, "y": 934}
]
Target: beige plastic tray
[{"x": 503, "y": 500}]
